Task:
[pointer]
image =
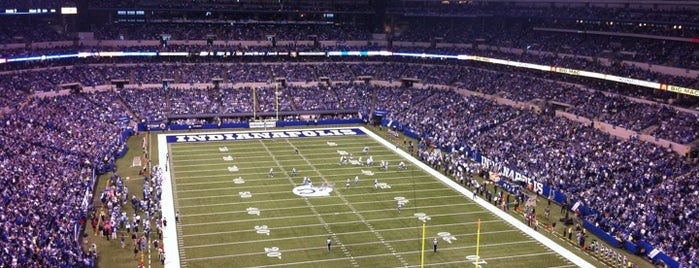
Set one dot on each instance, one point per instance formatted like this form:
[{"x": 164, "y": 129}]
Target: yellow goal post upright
[
  {"x": 276, "y": 103},
  {"x": 422, "y": 251},
  {"x": 262, "y": 122},
  {"x": 276, "y": 100},
  {"x": 478, "y": 243}
]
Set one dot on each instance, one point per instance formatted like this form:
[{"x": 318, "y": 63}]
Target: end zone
[{"x": 257, "y": 135}]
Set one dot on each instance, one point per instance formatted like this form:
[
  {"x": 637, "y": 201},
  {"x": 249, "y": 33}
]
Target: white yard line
[
  {"x": 266, "y": 157},
  {"x": 346, "y": 233},
  {"x": 254, "y": 156},
  {"x": 318, "y": 214},
  {"x": 208, "y": 150},
  {"x": 224, "y": 167},
  {"x": 303, "y": 207},
  {"x": 284, "y": 192},
  {"x": 268, "y": 186},
  {"x": 360, "y": 232},
  {"x": 230, "y": 174},
  {"x": 230, "y": 177},
  {"x": 233, "y": 154},
  {"x": 239, "y": 174},
  {"x": 296, "y": 199}
]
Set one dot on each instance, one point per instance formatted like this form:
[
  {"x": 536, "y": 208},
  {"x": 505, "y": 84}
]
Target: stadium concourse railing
[
  {"x": 261, "y": 45},
  {"x": 518, "y": 180}
]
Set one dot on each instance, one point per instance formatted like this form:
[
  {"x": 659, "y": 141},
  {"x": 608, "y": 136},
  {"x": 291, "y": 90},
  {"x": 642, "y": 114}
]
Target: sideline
[
  {"x": 167, "y": 204},
  {"x": 577, "y": 260}
]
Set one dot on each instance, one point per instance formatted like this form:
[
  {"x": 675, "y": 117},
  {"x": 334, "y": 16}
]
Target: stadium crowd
[
  {"x": 43, "y": 192},
  {"x": 45, "y": 163},
  {"x": 584, "y": 101}
]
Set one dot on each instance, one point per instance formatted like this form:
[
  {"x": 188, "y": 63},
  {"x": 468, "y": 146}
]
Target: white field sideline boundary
[
  {"x": 171, "y": 245},
  {"x": 498, "y": 212},
  {"x": 167, "y": 205}
]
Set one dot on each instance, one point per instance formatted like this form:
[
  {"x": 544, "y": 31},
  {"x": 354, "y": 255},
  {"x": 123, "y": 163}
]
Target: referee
[
  {"x": 329, "y": 242},
  {"x": 434, "y": 244}
]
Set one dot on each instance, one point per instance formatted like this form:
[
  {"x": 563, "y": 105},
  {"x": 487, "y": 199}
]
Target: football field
[{"x": 233, "y": 212}]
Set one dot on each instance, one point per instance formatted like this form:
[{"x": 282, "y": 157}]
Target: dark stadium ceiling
[
  {"x": 644, "y": 4},
  {"x": 684, "y": 2},
  {"x": 572, "y": 2}
]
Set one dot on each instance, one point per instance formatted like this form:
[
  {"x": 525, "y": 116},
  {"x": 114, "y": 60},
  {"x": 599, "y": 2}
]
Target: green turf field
[{"x": 234, "y": 214}]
